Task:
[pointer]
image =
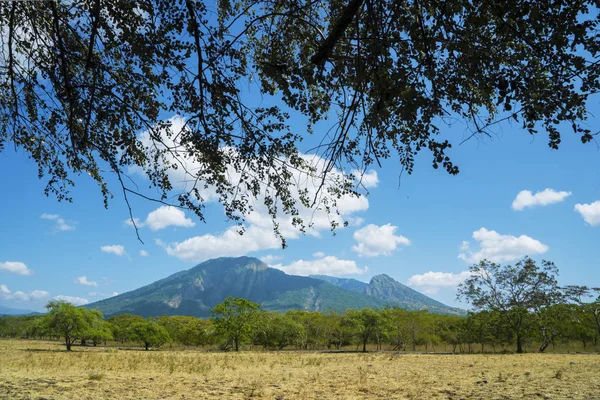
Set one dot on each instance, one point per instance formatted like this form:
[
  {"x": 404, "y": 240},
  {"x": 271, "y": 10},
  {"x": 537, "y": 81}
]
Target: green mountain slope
[
  {"x": 391, "y": 292},
  {"x": 196, "y": 291},
  {"x": 344, "y": 283}
]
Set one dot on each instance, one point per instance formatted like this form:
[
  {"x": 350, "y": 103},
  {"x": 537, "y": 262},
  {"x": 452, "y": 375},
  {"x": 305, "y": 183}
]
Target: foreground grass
[{"x": 39, "y": 370}]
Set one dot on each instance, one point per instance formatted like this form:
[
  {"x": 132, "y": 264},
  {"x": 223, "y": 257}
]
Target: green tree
[
  {"x": 67, "y": 321},
  {"x": 186, "y": 330},
  {"x": 515, "y": 292},
  {"x": 81, "y": 79},
  {"x": 233, "y": 318},
  {"x": 97, "y": 330},
  {"x": 149, "y": 333},
  {"x": 364, "y": 322},
  {"x": 120, "y": 325}
]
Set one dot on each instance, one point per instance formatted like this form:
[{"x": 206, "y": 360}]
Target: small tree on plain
[
  {"x": 67, "y": 321},
  {"x": 149, "y": 333},
  {"x": 513, "y": 291}
]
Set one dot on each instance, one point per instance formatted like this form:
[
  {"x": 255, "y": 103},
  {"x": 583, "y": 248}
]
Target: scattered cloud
[
  {"x": 368, "y": 179},
  {"x": 319, "y": 254},
  {"x": 76, "y": 301},
  {"x": 60, "y": 225},
  {"x": 496, "y": 247},
  {"x": 92, "y": 294},
  {"x": 144, "y": 253},
  {"x": 526, "y": 198},
  {"x": 376, "y": 240},
  {"x": 270, "y": 259},
  {"x": 115, "y": 249},
  {"x": 162, "y": 218},
  {"x": 39, "y": 294},
  {"x": 15, "y": 267},
  {"x": 113, "y": 294},
  {"x": 6, "y": 294},
  {"x": 229, "y": 243},
  {"x": 431, "y": 282},
  {"x": 82, "y": 280},
  {"x": 326, "y": 265},
  {"x": 590, "y": 212}
]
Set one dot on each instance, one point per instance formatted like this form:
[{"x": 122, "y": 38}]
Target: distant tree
[
  {"x": 512, "y": 291},
  {"x": 66, "y": 320},
  {"x": 149, "y": 333},
  {"x": 120, "y": 325},
  {"x": 364, "y": 322},
  {"x": 579, "y": 295},
  {"x": 185, "y": 329},
  {"x": 233, "y": 318}
]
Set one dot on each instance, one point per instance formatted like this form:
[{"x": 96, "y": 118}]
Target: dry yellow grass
[{"x": 38, "y": 370}]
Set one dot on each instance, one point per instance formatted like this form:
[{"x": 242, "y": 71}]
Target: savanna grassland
[{"x": 44, "y": 370}]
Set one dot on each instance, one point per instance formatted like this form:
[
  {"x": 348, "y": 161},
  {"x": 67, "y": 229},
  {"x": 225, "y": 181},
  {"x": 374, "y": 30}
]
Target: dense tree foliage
[
  {"x": 148, "y": 333},
  {"x": 233, "y": 318},
  {"x": 80, "y": 80},
  {"x": 74, "y": 323}
]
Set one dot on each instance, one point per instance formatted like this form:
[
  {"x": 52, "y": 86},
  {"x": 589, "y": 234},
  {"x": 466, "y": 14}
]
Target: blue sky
[{"x": 424, "y": 229}]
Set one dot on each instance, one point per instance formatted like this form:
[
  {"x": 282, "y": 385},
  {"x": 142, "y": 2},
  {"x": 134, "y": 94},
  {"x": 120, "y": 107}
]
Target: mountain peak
[{"x": 383, "y": 278}]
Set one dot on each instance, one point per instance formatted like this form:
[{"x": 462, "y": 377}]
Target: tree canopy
[
  {"x": 513, "y": 291},
  {"x": 91, "y": 87}
]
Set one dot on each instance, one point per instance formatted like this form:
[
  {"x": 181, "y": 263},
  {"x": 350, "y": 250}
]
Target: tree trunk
[
  {"x": 365, "y": 345},
  {"x": 68, "y": 342},
  {"x": 147, "y": 345},
  {"x": 519, "y": 344},
  {"x": 237, "y": 344}
]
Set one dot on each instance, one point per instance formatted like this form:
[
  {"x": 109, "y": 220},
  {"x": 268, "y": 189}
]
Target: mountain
[
  {"x": 344, "y": 283},
  {"x": 391, "y": 292},
  {"x": 14, "y": 311},
  {"x": 196, "y": 291}
]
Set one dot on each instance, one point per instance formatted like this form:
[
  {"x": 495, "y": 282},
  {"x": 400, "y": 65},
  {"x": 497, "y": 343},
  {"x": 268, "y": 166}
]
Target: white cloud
[
  {"x": 116, "y": 249},
  {"x": 162, "y": 218},
  {"x": 6, "y": 294},
  {"x": 590, "y": 212},
  {"x": 368, "y": 179},
  {"x": 76, "y": 301},
  {"x": 319, "y": 254},
  {"x": 60, "y": 224},
  {"x": 144, "y": 253},
  {"x": 82, "y": 280},
  {"x": 39, "y": 294},
  {"x": 270, "y": 259},
  {"x": 92, "y": 294},
  {"x": 327, "y": 265},
  {"x": 113, "y": 294},
  {"x": 431, "y": 282},
  {"x": 376, "y": 240},
  {"x": 498, "y": 248},
  {"x": 526, "y": 198},
  {"x": 15, "y": 267},
  {"x": 229, "y": 243}
]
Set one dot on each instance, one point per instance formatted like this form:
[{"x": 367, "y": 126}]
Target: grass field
[{"x": 42, "y": 370}]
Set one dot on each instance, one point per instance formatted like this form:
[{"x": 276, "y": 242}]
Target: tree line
[
  {"x": 516, "y": 306},
  {"x": 238, "y": 323}
]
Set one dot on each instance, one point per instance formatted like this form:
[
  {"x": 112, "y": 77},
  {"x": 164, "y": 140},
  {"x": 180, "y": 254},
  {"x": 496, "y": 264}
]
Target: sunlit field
[{"x": 44, "y": 370}]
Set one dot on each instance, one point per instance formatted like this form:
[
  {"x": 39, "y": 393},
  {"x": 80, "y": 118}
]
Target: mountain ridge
[{"x": 197, "y": 290}]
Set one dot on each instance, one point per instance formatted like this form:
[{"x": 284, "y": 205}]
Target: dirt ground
[{"x": 41, "y": 370}]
